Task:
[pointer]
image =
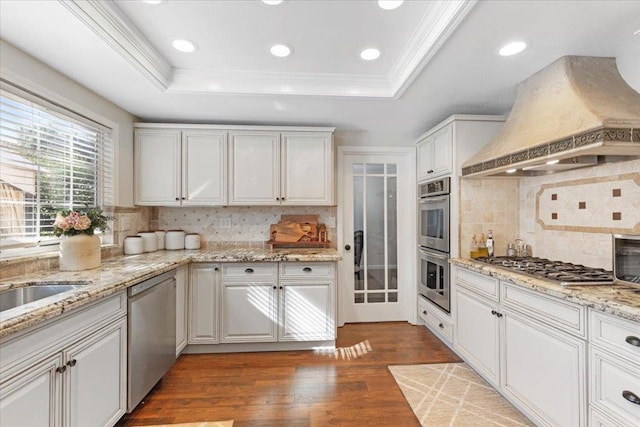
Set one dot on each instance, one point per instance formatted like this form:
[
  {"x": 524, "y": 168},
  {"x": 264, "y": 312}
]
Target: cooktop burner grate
[{"x": 564, "y": 273}]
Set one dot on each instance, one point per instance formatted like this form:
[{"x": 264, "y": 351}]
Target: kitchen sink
[{"x": 19, "y": 296}]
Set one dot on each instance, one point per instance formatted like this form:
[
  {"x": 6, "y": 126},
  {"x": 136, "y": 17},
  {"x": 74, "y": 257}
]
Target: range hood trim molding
[{"x": 573, "y": 146}]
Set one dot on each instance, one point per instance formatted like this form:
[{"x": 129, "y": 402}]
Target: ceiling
[{"x": 438, "y": 58}]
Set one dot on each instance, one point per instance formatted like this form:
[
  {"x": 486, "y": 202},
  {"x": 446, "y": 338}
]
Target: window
[{"x": 50, "y": 159}]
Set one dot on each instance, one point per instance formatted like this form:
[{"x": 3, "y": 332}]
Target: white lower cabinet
[
  {"x": 249, "y": 312},
  {"x": 182, "y": 300},
  {"x": 203, "y": 303},
  {"x": 306, "y": 311},
  {"x": 544, "y": 370},
  {"x": 69, "y": 372}
]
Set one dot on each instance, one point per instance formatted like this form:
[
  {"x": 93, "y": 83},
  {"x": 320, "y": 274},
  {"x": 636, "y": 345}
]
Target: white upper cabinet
[
  {"x": 435, "y": 154},
  {"x": 174, "y": 167},
  {"x": 288, "y": 168},
  {"x": 157, "y": 167},
  {"x": 307, "y": 169},
  {"x": 255, "y": 168}
]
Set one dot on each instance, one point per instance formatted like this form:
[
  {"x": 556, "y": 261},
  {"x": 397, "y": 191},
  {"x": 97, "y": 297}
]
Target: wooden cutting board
[{"x": 290, "y": 231}]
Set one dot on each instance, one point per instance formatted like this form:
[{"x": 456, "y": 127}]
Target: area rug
[
  {"x": 201, "y": 424},
  {"x": 452, "y": 394}
]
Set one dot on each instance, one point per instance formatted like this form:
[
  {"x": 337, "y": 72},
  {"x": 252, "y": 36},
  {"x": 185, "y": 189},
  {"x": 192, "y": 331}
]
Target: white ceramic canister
[
  {"x": 150, "y": 241},
  {"x": 133, "y": 245},
  {"x": 174, "y": 240},
  {"x": 160, "y": 236},
  {"x": 192, "y": 241}
]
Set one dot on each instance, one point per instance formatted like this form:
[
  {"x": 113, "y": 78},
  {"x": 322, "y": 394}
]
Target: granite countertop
[
  {"x": 118, "y": 273},
  {"x": 619, "y": 300}
]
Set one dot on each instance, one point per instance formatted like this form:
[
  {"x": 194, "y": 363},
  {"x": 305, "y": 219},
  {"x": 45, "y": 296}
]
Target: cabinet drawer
[
  {"x": 564, "y": 315},
  {"x": 310, "y": 270},
  {"x": 484, "y": 285},
  {"x": 435, "y": 320},
  {"x": 615, "y": 334},
  {"x": 611, "y": 379},
  {"x": 249, "y": 271}
]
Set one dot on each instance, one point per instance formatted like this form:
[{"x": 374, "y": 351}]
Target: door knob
[{"x": 347, "y": 247}]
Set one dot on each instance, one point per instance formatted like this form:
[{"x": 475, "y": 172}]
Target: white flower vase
[{"x": 79, "y": 252}]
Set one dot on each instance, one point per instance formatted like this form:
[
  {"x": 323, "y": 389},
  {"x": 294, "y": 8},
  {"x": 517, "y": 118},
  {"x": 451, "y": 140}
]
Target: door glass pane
[{"x": 375, "y": 233}]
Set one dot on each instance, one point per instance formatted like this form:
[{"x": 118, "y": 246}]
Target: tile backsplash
[{"x": 235, "y": 223}]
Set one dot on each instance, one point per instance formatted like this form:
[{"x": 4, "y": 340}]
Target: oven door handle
[
  {"x": 433, "y": 254},
  {"x": 426, "y": 200}
]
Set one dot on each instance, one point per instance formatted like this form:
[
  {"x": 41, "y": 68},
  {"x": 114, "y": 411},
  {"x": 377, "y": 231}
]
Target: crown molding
[
  {"x": 112, "y": 26},
  {"x": 435, "y": 27}
]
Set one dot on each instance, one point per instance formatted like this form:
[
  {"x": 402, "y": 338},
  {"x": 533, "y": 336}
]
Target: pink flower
[
  {"x": 62, "y": 222},
  {"x": 82, "y": 223}
]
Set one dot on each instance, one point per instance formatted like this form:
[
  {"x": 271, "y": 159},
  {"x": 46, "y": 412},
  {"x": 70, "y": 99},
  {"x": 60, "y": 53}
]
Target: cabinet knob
[
  {"x": 631, "y": 397},
  {"x": 424, "y": 312},
  {"x": 494, "y": 312},
  {"x": 440, "y": 325},
  {"x": 307, "y": 269},
  {"x": 281, "y": 288},
  {"x": 498, "y": 314},
  {"x": 184, "y": 198},
  {"x": 248, "y": 270},
  {"x": 281, "y": 198},
  {"x": 430, "y": 171},
  {"x": 61, "y": 369},
  {"x": 275, "y": 287},
  {"x": 347, "y": 247},
  {"x": 177, "y": 199},
  {"x": 633, "y": 340},
  {"x": 215, "y": 269},
  {"x": 277, "y": 198},
  {"x": 71, "y": 363}
]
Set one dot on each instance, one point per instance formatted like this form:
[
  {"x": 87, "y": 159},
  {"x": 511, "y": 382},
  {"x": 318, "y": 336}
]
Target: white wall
[
  {"x": 22, "y": 69},
  {"x": 362, "y": 138}
]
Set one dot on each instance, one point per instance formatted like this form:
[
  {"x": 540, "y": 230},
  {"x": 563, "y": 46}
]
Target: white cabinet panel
[
  {"x": 204, "y": 169},
  {"x": 306, "y": 311},
  {"x": 255, "y": 168},
  {"x": 307, "y": 169},
  {"x": 544, "y": 370},
  {"x": 477, "y": 334},
  {"x": 203, "y": 304},
  {"x": 157, "y": 167},
  {"x": 249, "y": 312},
  {"x": 435, "y": 154},
  {"x": 182, "y": 298},
  {"x": 96, "y": 370},
  {"x": 33, "y": 397}
]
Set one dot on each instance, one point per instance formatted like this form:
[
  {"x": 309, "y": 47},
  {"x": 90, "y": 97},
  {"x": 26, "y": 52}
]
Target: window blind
[{"x": 50, "y": 159}]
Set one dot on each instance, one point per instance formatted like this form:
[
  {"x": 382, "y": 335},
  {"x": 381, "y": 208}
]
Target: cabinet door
[
  {"x": 544, "y": 370},
  {"x": 441, "y": 163},
  {"x": 249, "y": 312},
  {"x": 477, "y": 334},
  {"x": 157, "y": 167},
  {"x": 306, "y": 311},
  {"x": 255, "y": 168},
  {"x": 182, "y": 277},
  {"x": 425, "y": 158},
  {"x": 32, "y": 398},
  {"x": 307, "y": 169},
  {"x": 96, "y": 378},
  {"x": 204, "y": 168},
  {"x": 203, "y": 304}
]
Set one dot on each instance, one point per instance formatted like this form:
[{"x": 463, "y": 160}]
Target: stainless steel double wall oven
[{"x": 433, "y": 242}]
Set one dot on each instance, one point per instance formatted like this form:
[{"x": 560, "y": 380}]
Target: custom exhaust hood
[{"x": 576, "y": 112}]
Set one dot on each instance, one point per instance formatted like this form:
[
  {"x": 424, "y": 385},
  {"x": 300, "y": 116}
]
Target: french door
[{"x": 376, "y": 228}]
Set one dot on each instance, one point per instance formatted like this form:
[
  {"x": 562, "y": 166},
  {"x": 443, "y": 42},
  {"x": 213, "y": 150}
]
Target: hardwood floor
[{"x": 297, "y": 388}]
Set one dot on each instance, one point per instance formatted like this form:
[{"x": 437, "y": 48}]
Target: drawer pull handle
[
  {"x": 631, "y": 397},
  {"x": 633, "y": 340},
  {"x": 307, "y": 269},
  {"x": 441, "y": 326},
  {"x": 248, "y": 270}
]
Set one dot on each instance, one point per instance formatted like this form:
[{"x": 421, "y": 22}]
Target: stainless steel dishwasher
[{"x": 152, "y": 334}]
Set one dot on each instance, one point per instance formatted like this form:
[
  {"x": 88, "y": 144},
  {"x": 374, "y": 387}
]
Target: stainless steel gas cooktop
[{"x": 563, "y": 273}]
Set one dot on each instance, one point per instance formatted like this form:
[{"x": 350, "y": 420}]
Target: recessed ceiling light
[
  {"x": 636, "y": 33},
  {"x": 280, "y": 50},
  {"x": 370, "y": 54},
  {"x": 553, "y": 162},
  {"x": 272, "y": 2},
  {"x": 511, "y": 170},
  {"x": 389, "y": 4},
  {"x": 512, "y": 48},
  {"x": 153, "y": 1},
  {"x": 184, "y": 45}
]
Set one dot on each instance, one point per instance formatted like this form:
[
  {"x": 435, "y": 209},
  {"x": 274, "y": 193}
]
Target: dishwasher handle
[{"x": 150, "y": 283}]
